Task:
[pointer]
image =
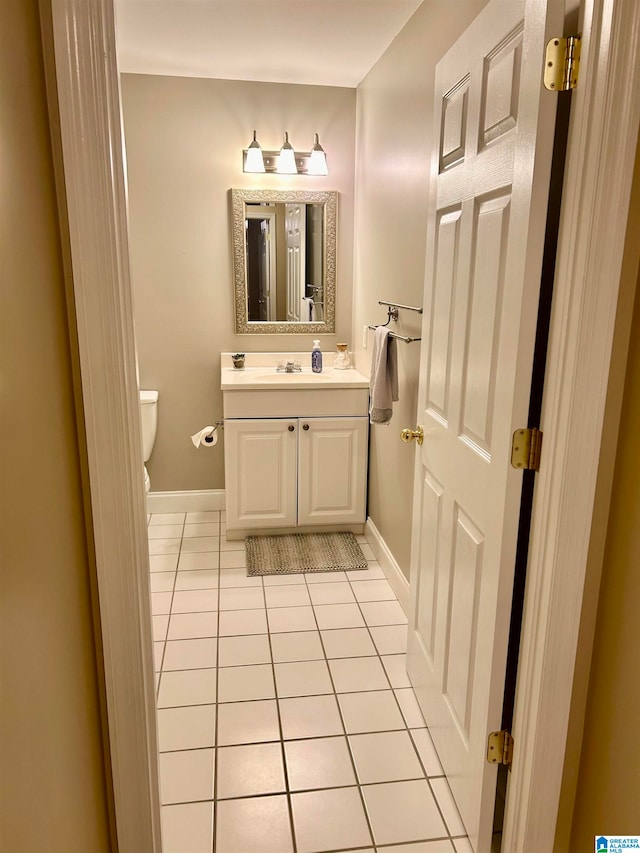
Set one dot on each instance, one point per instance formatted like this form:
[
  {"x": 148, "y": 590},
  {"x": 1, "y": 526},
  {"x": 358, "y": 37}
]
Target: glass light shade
[
  {"x": 317, "y": 160},
  {"x": 287, "y": 159},
  {"x": 254, "y": 161}
]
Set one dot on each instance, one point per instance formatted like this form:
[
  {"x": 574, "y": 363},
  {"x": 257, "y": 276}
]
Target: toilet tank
[{"x": 149, "y": 417}]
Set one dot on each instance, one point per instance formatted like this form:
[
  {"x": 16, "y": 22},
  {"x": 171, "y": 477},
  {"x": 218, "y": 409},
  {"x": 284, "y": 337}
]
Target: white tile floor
[{"x": 286, "y": 720}]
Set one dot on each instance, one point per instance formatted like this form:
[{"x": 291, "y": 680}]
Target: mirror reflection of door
[
  {"x": 261, "y": 264},
  {"x": 295, "y": 226}
]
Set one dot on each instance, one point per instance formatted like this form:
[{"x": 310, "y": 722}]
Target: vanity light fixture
[
  {"x": 254, "y": 161},
  {"x": 317, "y": 160},
  {"x": 286, "y": 161}
]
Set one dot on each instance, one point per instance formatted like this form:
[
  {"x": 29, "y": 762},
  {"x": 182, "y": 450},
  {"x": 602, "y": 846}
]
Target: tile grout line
[
  {"x": 413, "y": 743},
  {"x": 344, "y": 729},
  {"x": 402, "y": 715},
  {"x": 162, "y": 671},
  {"x": 297, "y": 739},
  {"x": 214, "y": 805},
  {"x": 172, "y": 591},
  {"x": 285, "y": 768},
  {"x": 287, "y": 792},
  {"x": 263, "y": 794},
  {"x": 408, "y": 730}
]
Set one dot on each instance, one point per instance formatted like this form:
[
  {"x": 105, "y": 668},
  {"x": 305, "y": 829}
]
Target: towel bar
[
  {"x": 392, "y": 314},
  {"x": 405, "y": 338},
  {"x": 398, "y": 305}
]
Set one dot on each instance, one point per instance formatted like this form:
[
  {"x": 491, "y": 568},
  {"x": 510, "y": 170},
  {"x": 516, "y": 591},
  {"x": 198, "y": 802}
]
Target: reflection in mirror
[
  {"x": 292, "y": 291},
  {"x": 284, "y": 261}
]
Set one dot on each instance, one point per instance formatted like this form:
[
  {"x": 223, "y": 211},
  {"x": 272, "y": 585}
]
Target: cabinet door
[
  {"x": 332, "y": 470},
  {"x": 260, "y": 472}
]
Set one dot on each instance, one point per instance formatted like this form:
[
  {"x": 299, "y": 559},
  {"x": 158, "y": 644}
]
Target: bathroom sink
[
  {"x": 285, "y": 378},
  {"x": 260, "y": 374}
]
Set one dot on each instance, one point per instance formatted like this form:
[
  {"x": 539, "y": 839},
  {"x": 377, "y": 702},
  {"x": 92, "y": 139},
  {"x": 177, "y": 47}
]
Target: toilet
[{"x": 149, "y": 418}]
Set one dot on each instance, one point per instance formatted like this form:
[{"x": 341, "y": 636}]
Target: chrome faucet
[{"x": 289, "y": 367}]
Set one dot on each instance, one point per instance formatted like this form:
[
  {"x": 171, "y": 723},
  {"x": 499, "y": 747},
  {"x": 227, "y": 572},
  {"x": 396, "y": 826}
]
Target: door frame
[
  {"x": 567, "y": 533},
  {"x": 83, "y": 92}
]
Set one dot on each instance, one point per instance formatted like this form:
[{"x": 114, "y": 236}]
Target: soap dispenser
[{"x": 316, "y": 358}]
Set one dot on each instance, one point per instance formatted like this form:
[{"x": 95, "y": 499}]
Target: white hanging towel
[
  {"x": 384, "y": 377},
  {"x": 307, "y": 310}
]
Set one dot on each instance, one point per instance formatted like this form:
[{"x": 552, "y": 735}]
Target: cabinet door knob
[
  {"x": 305, "y": 426},
  {"x": 291, "y": 427}
]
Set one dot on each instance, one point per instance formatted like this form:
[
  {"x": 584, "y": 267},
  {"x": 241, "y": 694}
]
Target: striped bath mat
[{"x": 303, "y": 552}]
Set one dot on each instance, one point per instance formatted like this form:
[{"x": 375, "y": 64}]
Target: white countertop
[
  {"x": 266, "y": 377},
  {"x": 260, "y": 373}
]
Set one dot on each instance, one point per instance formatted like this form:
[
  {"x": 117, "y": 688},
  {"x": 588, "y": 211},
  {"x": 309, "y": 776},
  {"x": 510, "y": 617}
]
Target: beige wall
[
  {"x": 52, "y": 784},
  {"x": 184, "y": 140},
  {"x": 395, "y": 109}
]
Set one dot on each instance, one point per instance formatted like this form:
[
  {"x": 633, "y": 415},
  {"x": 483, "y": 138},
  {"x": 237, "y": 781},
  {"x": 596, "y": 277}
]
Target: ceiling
[{"x": 317, "y": 42}]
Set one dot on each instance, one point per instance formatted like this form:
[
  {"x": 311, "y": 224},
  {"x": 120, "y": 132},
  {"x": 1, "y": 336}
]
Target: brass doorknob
[{"x": 408, "y": 435}]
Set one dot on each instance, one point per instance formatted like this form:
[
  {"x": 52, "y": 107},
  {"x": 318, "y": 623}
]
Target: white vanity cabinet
[
  {"x": 332, "y": 469},
  {"x": 295, "y": 459},
  {"x": 294, "y": 472},
  {"x": 261, "y": 465}
]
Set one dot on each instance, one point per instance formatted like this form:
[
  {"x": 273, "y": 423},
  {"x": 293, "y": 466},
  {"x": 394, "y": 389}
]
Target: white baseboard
[
  {"x": 389, "y": 566},
  {"x": 195, "y": 501}
]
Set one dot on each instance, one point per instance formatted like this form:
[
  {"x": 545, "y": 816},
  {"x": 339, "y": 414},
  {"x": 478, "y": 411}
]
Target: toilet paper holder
[
  {"x": 209, "y": 439},
  {"x": 208, "y": 435}
]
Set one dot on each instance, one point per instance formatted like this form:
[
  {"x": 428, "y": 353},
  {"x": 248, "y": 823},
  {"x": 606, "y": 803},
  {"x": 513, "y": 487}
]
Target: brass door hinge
[
  {"x": 525, "y": 449},
  {"x": 500, "y": 748},
  {"x": 562, "y": 64}
]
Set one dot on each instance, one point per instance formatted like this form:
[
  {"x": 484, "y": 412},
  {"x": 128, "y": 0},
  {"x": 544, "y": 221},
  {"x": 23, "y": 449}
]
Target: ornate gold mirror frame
[{"x": 239, "y": 200}]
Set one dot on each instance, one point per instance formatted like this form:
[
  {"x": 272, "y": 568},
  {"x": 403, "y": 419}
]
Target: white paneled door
[{"x": 493, "y": 135}]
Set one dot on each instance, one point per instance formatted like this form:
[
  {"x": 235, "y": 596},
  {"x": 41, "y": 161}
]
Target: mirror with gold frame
[{"x": 284, "y": 261}]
